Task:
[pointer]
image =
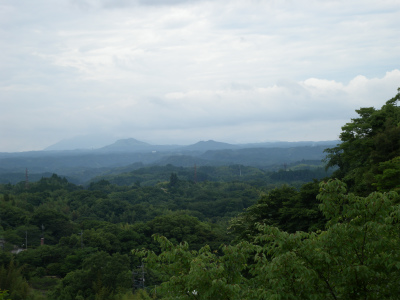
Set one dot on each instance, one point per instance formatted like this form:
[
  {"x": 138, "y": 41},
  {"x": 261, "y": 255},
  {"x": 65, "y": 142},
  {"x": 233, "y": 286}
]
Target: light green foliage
[
  {"x": 4, "y": 295},
  {"x": 356, "y": 257},
  {"x": 199, "y": 274}
]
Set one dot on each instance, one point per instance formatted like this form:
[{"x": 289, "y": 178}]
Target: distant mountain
[
  {"x": 90, "y": 141},
  {"x": 132, "y": 145},
  {"x": 108, "y": 143},
  {"x": 209, "y": 145},
  {"x": 126, "y": 145}
]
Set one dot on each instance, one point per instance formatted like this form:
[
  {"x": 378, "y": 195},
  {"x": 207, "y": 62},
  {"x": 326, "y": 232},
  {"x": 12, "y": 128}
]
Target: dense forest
[{"x": 215, "y": 232}]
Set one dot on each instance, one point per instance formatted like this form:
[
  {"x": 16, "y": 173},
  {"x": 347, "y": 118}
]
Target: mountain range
[
  {"x": 104, "y": 144},
  {"x": 81, "y": 165}
]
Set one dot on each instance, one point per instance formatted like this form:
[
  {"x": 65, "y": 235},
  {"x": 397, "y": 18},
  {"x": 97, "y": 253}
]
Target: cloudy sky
[{"x": 180, "y": 71}]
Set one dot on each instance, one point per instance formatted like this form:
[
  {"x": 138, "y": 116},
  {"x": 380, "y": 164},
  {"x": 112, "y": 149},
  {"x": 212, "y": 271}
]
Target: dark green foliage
[
  {"x": 102, "y": 275},
  {"x": 53, "y": 224},
  {"x": 5, "y": 258},
  {"x": 388, "y": 177},
  {"x": 12, "y": 216},
  {"x": 47, "y": 258},
  {"x": 76, "y": 224},
  {"x": 284, "y": 207},
  {"x": 367, "y": 141},
  {"x": 180, "y": 227},
  {"x": 43, "y": 283},
  {"x": 12, "y": 280},
  {"x": 52, "y": 183},
  {"x": 173, "y": 180}
]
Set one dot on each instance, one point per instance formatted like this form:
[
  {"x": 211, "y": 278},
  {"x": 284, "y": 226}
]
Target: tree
[
  {"x": 367, "y": 141},
  {"x": 285, "y": 208},
  {"x": 389, "y": 178},
  {"x": 357, "y": 257},
  {"x": 179, "y": 227},
  {"x": 199, "y": 274},
  {"x": 11, "y": 279},
  {"x": 173, "y": 180},
  {"x": 265, "y": 211},
  {"x": 54, "y": 224},
  {"x": 4, "y": 295},
  {"x": 102, "y": 276}
]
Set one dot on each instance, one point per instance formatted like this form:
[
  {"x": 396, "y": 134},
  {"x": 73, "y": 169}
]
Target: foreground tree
[
  {"x": 203, "y": 274},
  {"x": 356, "y": 257},
  {"x": 367, "y": 141}
]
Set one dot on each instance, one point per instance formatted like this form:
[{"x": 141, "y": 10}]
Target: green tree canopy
[
  {"x": 285, "y": 208},
  {"x": 367, "y": 141},
  {"x": 356, "y": 257}
]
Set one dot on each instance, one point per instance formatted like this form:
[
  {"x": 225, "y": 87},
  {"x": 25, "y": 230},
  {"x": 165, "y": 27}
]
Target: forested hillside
[{"x": 215, "y": 232}]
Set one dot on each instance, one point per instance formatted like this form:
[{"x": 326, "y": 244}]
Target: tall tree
[
  {"x": 357, "y": 257},
  {"x": 367, "y": 141}
]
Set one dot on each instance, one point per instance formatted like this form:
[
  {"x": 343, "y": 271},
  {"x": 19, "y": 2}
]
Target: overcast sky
[{"x": 180, "y": 71}]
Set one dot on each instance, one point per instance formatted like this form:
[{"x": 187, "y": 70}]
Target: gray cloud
[
  {"x": 189, "y": 70},
  {"x": 122, "y": 4}
]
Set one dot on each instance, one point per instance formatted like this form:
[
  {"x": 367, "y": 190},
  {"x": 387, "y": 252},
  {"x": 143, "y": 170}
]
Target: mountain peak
[
  {"x": 209, "y": 145},
  {"x": 130, "y": 142},
  {"x": 126, "y": 145},
  {"x": 88, "y": 141}
]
